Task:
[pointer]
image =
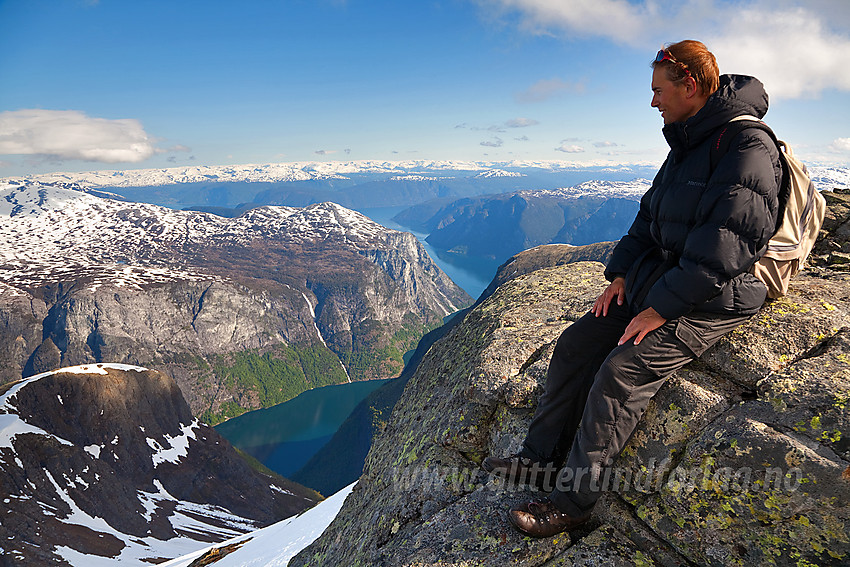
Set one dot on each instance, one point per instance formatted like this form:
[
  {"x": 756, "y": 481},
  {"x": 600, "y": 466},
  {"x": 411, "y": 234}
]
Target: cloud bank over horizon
[{"x": 70, "y": 134}]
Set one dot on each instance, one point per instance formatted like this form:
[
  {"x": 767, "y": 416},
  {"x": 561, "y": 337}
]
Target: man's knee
[
  {"x": 612, "y": 384},
  {"x": 588, "y": 336}
]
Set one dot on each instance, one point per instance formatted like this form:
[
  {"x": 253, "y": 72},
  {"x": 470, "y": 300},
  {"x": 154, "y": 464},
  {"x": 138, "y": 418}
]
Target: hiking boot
[
  {"x": 522, "y": 470},
  {"x": 542, "y": 519}
]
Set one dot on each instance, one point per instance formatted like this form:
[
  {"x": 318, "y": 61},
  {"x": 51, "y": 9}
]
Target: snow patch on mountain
[
  {"x": 275, "y": 545},
  {"x": 178, "y": 446},
  {"x": 11, "y": 426},
  {"x": 413, "y": 177},
  {"x": 139, "y": 551}
]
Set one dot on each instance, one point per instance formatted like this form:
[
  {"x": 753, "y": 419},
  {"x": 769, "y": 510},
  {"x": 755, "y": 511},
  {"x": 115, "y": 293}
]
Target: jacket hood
[{"x": 737, "y": 95}]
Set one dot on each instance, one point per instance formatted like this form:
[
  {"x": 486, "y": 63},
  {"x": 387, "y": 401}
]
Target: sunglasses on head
[{"x": 664, "y": 55}]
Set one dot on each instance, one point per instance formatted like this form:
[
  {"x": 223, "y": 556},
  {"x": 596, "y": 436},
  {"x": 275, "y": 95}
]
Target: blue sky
[{"x": 126, "y": 84}]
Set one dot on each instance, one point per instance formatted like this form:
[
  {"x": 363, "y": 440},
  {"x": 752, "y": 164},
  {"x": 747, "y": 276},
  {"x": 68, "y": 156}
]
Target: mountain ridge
[{"x": 303, "y": 171}]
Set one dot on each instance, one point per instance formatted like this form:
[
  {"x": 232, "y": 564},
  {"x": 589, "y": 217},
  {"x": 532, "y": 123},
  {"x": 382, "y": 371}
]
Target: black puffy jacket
[{"x": 698, "y": 231}]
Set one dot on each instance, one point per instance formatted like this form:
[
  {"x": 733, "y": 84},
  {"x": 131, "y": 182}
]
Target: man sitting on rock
[{"x": 679, "y": 281}]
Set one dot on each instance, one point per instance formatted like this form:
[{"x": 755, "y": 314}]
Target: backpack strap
[{"x": 720, "y": 146}]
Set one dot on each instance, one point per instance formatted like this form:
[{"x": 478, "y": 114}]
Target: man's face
[{"x": 670, "y": 98}]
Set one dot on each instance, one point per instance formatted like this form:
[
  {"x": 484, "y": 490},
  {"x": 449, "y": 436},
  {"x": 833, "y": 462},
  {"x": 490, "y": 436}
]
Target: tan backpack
[{"x": 802, "y": 210}]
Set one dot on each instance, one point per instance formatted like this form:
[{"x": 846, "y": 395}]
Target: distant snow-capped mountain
[
  {"x": 828, "y": 178},
  {"x": 492, "y": 173},
  {"x": 611, "y": 189},
  {"x": 302, "y": 171},
  {"x": 495, "y": 227},
  {"x": 50, "y": 227},
  {"x": 275, "y": 172}
]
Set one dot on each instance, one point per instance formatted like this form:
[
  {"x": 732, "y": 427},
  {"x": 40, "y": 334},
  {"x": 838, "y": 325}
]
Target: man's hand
[
  {"x": 643, "y": 323},
  {"x": 616, "y": 288}
]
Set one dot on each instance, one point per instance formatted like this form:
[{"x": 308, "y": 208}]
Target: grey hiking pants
[{"x": 605, "y": 389}]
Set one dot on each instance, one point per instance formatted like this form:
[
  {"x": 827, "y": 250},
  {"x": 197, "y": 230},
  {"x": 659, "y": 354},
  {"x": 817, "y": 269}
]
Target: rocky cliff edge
[{"x": 743, "y": 457}]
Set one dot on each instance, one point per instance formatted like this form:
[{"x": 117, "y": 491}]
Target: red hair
[{"x": 694, "y": 58}]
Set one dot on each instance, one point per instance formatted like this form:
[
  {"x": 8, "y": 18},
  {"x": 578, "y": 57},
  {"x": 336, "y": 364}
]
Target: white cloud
[
  {"x": 546, "y": 89},
  {"x": 494, "y": 143},
  {"x": 792, "y": 52},
  {"x": 841, "y": 145},
  {"x": 521, "y": 122},
  {"x": 70, "y": 134},
  {"x": 605, "y": 144},
  {"x": 501, "y": 128},
  {"x": 620, "y": 18},
  {"x": 569, "y": 148},
  {"x": 325, "y": 152},
  {"x": 796, "y": 47}
]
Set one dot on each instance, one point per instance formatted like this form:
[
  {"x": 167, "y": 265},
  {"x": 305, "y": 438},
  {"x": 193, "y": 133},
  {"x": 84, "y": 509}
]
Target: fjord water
[{"x": 285, "y": 436}]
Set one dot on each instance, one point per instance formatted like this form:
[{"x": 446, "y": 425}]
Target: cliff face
[
  {"x": 21, "y": 330},
  {"x": 107, "y": 461},
  {"x": 300, "y": 297},
  {"x": 743, "y": 457},
  {"x": 191, "y": 330}
]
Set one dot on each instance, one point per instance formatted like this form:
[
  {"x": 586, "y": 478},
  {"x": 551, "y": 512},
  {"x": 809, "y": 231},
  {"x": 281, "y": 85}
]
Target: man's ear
[{"x": 691, "y": 88}]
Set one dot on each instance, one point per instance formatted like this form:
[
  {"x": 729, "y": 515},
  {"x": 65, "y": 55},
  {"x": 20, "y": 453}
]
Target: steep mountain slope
[
  {"x": 243, "y": 312},
  {"x": 104, "y": 463},
  {"x": 743, "y": 457}
]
